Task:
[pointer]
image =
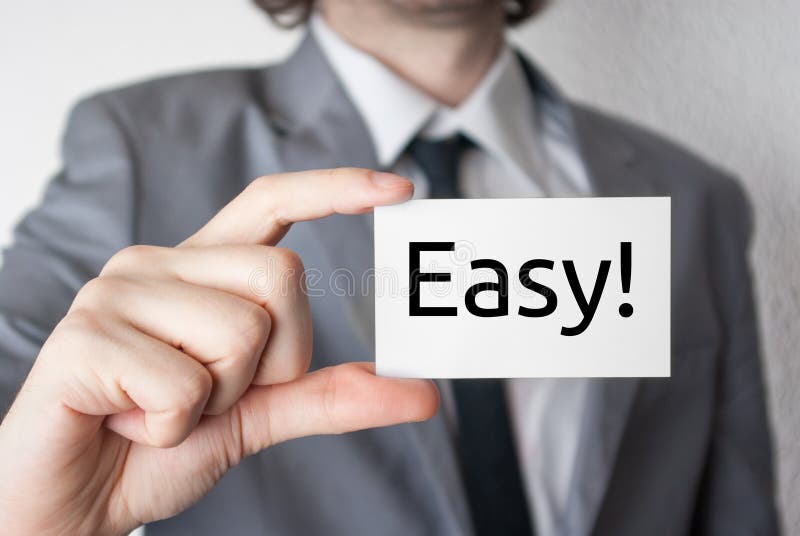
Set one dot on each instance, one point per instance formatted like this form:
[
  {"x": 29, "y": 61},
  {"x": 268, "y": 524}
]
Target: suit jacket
[{"x": 151, "y": 163}]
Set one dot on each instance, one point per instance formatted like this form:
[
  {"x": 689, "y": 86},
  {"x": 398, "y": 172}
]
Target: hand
[{"x": 168, "y": 370}]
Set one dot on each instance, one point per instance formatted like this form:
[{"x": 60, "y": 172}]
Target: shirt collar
[
  {"x": 371, "y": 85},
  {"x": 498, "y": 115}
]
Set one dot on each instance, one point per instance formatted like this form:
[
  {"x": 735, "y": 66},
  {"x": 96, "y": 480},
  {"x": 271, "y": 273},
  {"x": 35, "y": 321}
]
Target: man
[{"x": 164, "y": 372}]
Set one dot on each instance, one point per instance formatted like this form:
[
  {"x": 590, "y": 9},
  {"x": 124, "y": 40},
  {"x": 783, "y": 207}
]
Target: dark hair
[{"x": 289, "y": 13}]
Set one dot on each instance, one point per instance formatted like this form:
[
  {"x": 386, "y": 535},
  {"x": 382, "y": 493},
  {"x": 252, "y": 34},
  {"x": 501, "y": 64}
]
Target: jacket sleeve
[
  {"x": 738, "y": 491},
  {"x": 85, "y": 216}
]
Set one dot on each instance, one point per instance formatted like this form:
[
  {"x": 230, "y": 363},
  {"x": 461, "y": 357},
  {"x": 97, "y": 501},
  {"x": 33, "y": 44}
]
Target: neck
[{"x": 444, "y": 52}]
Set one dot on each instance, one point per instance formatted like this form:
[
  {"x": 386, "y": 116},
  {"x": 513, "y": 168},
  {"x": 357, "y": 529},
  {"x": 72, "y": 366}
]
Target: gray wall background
[{"x": 723, "y": 77}]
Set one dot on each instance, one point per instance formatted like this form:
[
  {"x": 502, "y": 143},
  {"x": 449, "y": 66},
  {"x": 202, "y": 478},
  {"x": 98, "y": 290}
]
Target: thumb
[{"x": 332, "y": 400}]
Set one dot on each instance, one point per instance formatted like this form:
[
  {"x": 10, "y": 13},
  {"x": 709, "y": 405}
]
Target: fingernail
[{"x": 388, "y": 180}]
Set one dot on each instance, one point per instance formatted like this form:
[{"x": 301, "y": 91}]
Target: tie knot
[{"x": 439, "y": 160}]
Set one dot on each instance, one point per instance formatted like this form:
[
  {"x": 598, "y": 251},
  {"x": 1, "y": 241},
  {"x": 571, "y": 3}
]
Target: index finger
[{"x": 263, "y": 212}]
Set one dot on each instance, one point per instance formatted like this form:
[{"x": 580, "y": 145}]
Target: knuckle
[
  {"x": 81, "y": 324},
  {"x": 282, "y": 370},
  {"x": 254, "y": 325},
  {"x": 80, "y": 319},
  {"x": 250, "y": 333},
  {"x": 135, "y": 256},
  {"x": 195, "y": 388},
  {"x": 349, "y": 375},
  {"x": 295, "y": 368},
  {"x": 264, "y": 188},
  {"x": 330, "y": 403},
  {"x": 76, "y": 337},
  {"x": 300, "y": 362},
  {"x": 329, "y": 398},
  {"x": 341, "y": 379},
  {"x": 259, "y": 181},
  {"x": 261, "y": 185},
  {"x": 288, "y": 260},
  {"x": 98, "y": 291}
]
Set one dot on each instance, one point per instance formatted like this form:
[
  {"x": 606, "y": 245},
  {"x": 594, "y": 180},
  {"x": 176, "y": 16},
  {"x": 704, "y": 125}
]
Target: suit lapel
[
  {"x": 612, "y": 167},
  {"x": 610, "y": 163},
  {"x": 319, "y": 127}
]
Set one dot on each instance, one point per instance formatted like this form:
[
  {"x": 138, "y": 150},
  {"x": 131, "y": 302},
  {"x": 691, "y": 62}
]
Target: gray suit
[{"x": 152, "y": 162}]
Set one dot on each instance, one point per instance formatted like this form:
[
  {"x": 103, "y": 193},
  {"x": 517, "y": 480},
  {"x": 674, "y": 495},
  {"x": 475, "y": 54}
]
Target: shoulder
[
  {"x": 174, "y": 101},
  {"x": 693, "y": 182}
]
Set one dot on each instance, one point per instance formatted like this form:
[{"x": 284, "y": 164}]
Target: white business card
[{"x": 523, "y": 288}]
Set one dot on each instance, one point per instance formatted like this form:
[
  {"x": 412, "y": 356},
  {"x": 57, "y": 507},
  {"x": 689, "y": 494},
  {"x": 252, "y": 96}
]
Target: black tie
[
  {"x": 485, "y": 443},
  {"x": 439, "y": 161}
]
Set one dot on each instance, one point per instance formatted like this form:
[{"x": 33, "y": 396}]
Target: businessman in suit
[{"x": 168, "y": 382}]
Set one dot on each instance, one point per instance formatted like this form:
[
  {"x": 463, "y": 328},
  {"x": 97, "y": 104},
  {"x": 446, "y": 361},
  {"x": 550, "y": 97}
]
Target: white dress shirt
[{"x": 516, "y": 154}]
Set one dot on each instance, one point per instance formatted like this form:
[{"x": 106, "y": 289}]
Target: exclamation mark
[{"x": 626, "y": 309}]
